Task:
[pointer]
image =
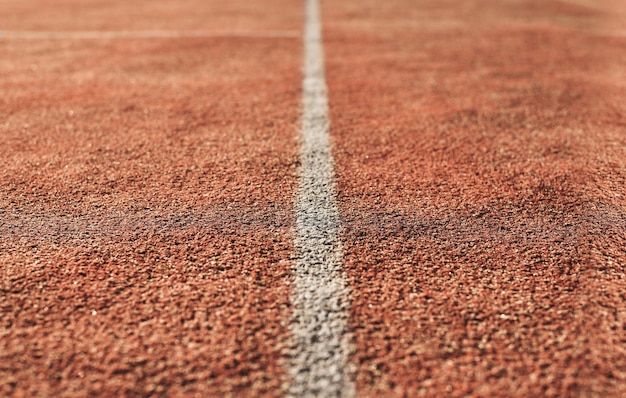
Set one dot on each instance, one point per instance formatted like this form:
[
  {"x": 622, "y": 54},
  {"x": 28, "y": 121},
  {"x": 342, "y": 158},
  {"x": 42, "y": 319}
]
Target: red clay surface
[
  {"x": 481, "y": 160},
  {"x": 147, "y": 187},
  {"x": 146, "y": 192},
  {"x": 112, "y": 15}
]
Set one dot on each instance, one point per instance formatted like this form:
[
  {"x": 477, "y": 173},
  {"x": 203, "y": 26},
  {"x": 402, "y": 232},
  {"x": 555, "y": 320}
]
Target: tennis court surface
[{"x": 312, "y": 198}]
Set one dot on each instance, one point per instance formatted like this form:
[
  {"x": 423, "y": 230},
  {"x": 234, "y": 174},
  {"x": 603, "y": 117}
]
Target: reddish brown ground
[
  {"x": 115, "y": 15},
  {"x": 146, "y": 192},
  {"x": 481, "y": 158}
]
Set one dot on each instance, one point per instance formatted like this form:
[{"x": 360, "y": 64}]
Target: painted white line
[
  {"x": 320, "y": 348},
  {"x": 145, "y": 34}
]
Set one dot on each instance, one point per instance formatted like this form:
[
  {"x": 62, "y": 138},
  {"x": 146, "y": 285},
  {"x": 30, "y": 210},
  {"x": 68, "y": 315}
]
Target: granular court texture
[
  {"x": 481, "y": 161},
  {"x": 151, "y": 185},
  {"x": 146, "y": 193}
]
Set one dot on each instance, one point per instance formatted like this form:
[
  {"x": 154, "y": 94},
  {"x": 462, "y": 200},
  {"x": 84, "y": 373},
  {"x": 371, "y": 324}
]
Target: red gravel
[
  {"x": 147, "y": 186},
  {"x": 146, "y": 192},
  {"x": 115, "y": 15},
  {"x": 481, "y": 160}
]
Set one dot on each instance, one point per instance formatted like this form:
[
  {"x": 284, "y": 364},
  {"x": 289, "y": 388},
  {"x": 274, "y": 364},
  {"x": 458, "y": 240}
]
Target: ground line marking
[
  {"x": 145, "y": 34},
  {"x": 320, "y": 341}
]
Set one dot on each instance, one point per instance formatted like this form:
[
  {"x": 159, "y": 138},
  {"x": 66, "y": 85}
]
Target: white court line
[
  {"x": 145, "y": 34},
  {"x": 320, "y": 343}
]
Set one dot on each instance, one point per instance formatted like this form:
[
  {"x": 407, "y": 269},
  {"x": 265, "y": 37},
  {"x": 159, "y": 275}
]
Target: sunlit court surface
[{"x": 308, "y": 198}]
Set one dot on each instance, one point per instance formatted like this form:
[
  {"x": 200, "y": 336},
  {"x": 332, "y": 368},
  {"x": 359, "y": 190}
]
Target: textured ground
[
  {"x": 481, "y": 167},
  {"x": 146, "y": 205},
  {"x": 147, "y": 190}
]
